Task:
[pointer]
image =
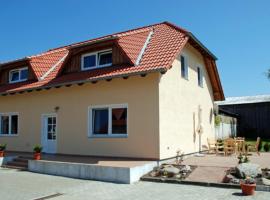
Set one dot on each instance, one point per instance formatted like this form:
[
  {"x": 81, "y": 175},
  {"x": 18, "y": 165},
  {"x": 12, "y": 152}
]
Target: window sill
[
  {"x": 108, "y": 136},
  {"x": 12, "y": 82}
]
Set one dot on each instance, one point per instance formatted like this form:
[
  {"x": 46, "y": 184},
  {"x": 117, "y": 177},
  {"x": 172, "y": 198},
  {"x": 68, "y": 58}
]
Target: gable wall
[{"x": 179, "y": 100}]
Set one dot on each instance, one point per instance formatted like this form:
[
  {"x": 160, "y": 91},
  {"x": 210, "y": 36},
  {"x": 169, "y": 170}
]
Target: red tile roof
[
  {"x": 42, "y": 63},
  {"x": 164, "y": 44}
]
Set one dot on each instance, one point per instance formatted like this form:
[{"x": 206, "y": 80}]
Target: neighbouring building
[
  {"x": 225, "y": 124},
  {"x": 141, "y": 93},
  {"x": 253, "y": 115}
]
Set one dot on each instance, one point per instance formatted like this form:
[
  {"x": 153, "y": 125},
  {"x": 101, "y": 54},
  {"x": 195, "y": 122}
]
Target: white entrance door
[{"x": 49, "y": 133}]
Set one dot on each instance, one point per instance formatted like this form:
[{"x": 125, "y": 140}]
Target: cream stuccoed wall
[
  {"x": 179, "y": 101},
  {"x": 140, "y": 93}
]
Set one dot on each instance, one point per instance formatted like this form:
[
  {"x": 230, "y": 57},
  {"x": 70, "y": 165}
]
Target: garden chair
[
  {"x": 229, "y": 146},
  {"x": 211, "y": 145},
  {"x": 239, "y": 144},
  {"x": 220, "y": 147},
  {"x": 254, "y": 147}
]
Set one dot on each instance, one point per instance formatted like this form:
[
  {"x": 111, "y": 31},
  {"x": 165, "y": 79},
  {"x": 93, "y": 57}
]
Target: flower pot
[
  {"x": 36, "y": 156},
  {"x": 1, "y": 154},
  {"x": 248, "y": 189}
]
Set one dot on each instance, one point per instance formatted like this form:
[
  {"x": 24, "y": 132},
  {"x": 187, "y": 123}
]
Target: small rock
[
  {"x": 186, "y": 169},
  {"x": 266, "y": 181},
  {"x": 228, "y": 178},
  {"x": 179, "y": 176},
  {"x": 184, "y": 173},
  {"x": 154, "y": 173},
  {"x": 156, "y": 168},
  {"x": 248, "y": 169},
  {"x": 235, "y": 181},
  {"x": 171, "y": 170}
]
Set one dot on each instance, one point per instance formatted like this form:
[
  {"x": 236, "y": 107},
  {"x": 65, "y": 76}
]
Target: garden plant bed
[
  {"x": 262, "y": 180},
  {"x": 170, "y": 172},
  {"x": 232, "y": 177},
  {"x": 177, "y": 180}
]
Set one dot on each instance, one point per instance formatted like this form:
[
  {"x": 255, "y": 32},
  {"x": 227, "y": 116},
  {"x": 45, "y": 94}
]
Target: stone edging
[{"x": 206, "y": 184}]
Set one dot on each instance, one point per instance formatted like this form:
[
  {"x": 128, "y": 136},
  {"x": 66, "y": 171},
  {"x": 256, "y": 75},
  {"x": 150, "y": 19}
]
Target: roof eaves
[
  {"x": 201, "y": 45},
  {"x": 158, "y": 69}
]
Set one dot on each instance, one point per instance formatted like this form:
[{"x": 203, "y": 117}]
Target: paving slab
[
  {"x": 29, "y": 186},
  {"x": 208, "y": 174}
]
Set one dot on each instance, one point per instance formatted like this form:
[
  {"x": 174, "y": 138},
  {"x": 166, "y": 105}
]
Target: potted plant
[
  {"x": 248, "y": 186},
  {"x": 2, "y": 149},
  {"x": 37, "y": 151}
]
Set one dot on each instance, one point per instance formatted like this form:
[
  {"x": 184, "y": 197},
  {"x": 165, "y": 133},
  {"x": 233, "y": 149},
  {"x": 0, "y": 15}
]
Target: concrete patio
[{"x": 111, "y": 169}]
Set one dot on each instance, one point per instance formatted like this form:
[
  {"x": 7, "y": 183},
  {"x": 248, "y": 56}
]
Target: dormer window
[
  {"x": 96, "y": 60},
  {"x": 18, "y": 75}
]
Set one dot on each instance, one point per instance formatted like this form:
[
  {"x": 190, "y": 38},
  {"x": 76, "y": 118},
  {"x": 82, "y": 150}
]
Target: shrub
[
  {"x": 260, "y": 145},
  {"x": 249, "y": 181},
  {"x": 3, "y": 147},
  {"x": 266, "y": 147},
  {"x": 37, "y": 148},
  {"x": 217, "y": 120}
]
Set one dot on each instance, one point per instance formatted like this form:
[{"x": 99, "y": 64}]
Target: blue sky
[{"x": 236, "y": 31}]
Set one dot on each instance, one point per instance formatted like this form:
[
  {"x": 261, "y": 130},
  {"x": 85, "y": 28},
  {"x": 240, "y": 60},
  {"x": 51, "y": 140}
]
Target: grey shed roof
[{"x": 244, "y": 100}]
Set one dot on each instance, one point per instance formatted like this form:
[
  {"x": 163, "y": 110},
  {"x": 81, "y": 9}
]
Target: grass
[{"x": 253, "y": 142}]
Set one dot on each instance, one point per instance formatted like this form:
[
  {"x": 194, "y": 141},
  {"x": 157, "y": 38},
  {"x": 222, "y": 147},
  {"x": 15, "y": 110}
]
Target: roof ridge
[
  {"x": 117, "y": 33},
  {"x": 176, "y": 27},
  {"x": 48, "y": 52},
  {"x": 126, "y": 32}
]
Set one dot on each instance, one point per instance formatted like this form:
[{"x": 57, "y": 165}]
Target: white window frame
[
  {"x": 200, "y": 83},
  {"x": 109, "y": 134},
  {"x": 9, "y": 118},
  {"x": 97, "y": 54},
  {"x": 20, "y": 71},
  {"x": 185, "y": 66}
]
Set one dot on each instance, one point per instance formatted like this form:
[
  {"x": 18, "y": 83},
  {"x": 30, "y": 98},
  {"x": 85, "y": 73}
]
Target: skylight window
[
  {"x": 96, "y": 60},
  {"x": 18, "y": 75}
]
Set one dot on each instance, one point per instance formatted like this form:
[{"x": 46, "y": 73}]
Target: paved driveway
[{"x": 25, "y": 185}]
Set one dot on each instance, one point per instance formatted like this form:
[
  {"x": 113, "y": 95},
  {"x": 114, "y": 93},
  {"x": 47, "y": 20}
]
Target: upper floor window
[
  {"x": 96, "y": 60},
  {"x": 8, "y": 124},
  {"x": 18, "y": 75},
  {"x": 184, "y": 66},
  {"x": 200, "y": 76}
]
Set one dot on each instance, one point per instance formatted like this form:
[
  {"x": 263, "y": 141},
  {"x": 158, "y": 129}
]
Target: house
[
  {"x": 253, "y": 115},
  {"x": 141, "y": 93}
]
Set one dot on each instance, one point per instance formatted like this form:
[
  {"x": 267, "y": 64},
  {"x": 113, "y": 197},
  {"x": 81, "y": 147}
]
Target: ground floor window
[
  {"x": 108, "y": 121},
  {"x": 8, "y": 124}
]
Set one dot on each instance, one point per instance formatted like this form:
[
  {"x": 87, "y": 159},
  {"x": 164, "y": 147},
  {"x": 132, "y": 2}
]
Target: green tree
[{"x": 268, "y": 74}]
